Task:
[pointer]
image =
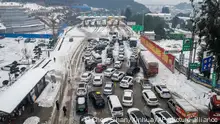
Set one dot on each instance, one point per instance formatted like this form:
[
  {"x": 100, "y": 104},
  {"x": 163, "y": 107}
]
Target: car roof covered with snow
[
  {"x": 117, "y": 62},
  {"x": 81, "y": 100},
  {"x": 128, "y": 93},
  {"x": 150, "y": 93},
  {"x": 97, "y": 77}
]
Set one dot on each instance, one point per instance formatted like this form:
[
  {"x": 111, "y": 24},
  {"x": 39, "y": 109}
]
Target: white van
[
  {"x": 115, "y": 106},
  {"x": 96, "y": 57}
]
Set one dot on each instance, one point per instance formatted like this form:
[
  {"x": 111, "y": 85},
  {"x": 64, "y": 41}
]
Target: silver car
[
  {"x": 145, "y": 84},
  {"x": 82, "y": 89},
  {"x": 108, "y": 89}
]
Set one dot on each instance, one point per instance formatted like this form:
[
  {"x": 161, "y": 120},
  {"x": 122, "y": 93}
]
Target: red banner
[{"x": 167, "y": 59}]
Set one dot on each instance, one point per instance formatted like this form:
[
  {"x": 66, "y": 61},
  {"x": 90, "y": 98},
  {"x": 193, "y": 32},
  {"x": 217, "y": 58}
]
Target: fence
[
  {"x": 194, "y": 76},
  {"x": 46, "y": 36}
]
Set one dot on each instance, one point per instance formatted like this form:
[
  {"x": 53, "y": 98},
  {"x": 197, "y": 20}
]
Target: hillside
[
  {"x": 183, "y": 6},
  {"x": 108, "y": 4},
  {"x": 116, "y": 4}
]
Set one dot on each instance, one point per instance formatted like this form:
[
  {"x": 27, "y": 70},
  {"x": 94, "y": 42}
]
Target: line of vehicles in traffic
[{"x": 93, "y": 61}]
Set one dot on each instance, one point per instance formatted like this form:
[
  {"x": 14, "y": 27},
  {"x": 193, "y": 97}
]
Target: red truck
[
  {"x": 214, "y": 108},
  {"x": 150, "y": 68}
]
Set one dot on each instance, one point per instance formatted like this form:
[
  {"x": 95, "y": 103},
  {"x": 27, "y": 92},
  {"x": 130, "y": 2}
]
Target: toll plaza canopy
[{"x": 13, "y": 96}]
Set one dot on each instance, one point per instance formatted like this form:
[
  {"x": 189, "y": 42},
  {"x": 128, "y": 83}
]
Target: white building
[
  {"x": 165, "y": 16},
  {"x": 2, "y": 28},
  {"x": 150, "y": 35}
]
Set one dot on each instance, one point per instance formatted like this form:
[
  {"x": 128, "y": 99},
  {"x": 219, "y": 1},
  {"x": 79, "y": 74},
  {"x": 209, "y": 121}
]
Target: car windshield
[
  {"x": 117, "y": 109},
  {"x": 166, "y": 92},
  {"x": 108, "y": 88},
  {"x": 153, "y": 99},
  {"x": 81, "y": 90},
  {"x": 166, "y": 115},
  {"x": 81, "y": 85},
  {"x": 81, "y": 106},
  {"x": 110, "y": 122},
  {"x": 99, "y": 101},
  {"x": 163, "y": 86},
  {"x": 127, "y": 98},
  {"x": 97, "y": 79},
  {"x": 84, "y": 76}
]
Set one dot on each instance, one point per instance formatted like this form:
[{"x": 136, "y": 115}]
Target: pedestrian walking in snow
[
  {"x": 64, "y": 110},
  {"x": 54, "y": 59},
  {"x": 57, "y": 105}
]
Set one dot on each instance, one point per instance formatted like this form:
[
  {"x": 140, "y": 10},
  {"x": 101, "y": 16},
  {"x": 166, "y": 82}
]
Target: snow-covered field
[
  {"x": 176, "y": 45},
  {"x": 14, "y": 51},
  {"x": 179, "y": 84}
]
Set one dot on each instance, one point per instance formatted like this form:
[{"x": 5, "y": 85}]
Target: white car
[
  {"x": 109, "y": 121},
  {"x": 162, "y": 91},
  {"x": 108, "y": 61},
  {"x": 145, "y": 84},
  {"x": 150, "y": 98},
  {"x": 121, "y": 57},
  {"x": 86, "y": 77},
  {"x": 126, "y": 82},
  {"x": 162, "y": 117},
  {"x": 117, "y": 64},
  {"x": 117, "y": 76},
  {"x": 109, "y": 71},
  {"x": 6, "y": 68},
  {"x": 108, "y": 89},
  {"x": 88, "y": 119},
  {"x": 136, "y": 116},
  {"x": 127, "y": 99},
  {"x": 82, "y": 89},
  {"x": 97, "y": 80}
]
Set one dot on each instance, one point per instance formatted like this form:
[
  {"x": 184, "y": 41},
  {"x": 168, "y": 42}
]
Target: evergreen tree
[
  {"x": 165, "y": 10},
  {"x": 128, "y": 13},
  {"x": 207, "y": 25}
]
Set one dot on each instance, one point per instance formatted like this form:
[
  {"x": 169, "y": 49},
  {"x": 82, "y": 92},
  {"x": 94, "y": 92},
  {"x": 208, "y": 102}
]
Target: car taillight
[{"x": 86, "y": 110}]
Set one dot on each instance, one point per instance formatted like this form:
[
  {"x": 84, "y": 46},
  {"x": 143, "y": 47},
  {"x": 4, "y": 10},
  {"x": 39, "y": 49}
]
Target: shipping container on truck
[
  {"x": 184, "y": 110},
  {"x": 150, "y": 68}
]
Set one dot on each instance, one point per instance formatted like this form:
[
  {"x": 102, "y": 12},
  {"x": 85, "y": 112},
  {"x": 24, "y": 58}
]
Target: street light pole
[{"x": 143, "y": 20}]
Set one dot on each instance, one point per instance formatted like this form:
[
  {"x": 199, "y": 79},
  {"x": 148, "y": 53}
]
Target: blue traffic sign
[{"x": 207, "y": 63}]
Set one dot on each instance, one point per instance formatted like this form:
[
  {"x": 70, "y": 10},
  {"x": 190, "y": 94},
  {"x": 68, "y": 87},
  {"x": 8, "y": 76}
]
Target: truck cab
[{"x": 214, "y": 107}]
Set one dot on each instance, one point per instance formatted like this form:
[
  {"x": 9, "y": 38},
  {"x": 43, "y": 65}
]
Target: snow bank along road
[{"x": 77, "y": 68}]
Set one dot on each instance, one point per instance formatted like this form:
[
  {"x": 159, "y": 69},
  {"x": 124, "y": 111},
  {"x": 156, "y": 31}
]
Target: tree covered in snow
[
  {"x": 206, "y": 24},
  {"x": 38, "y": 52}
]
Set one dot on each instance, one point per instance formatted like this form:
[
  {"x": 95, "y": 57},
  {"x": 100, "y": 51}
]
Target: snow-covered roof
[
  {"x": 2, "y": 27},
  {"x": 159, "y": 14},
  {"x": 184, "y": 18},
  {"x": 18, "y": 91},
  {"x": 185, "y": 105}
]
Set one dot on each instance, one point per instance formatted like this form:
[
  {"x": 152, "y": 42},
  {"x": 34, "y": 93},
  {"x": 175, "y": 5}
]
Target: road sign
[
  {"x": 207, "y": 63},
  {"x": 193, "y": 65},
  {"x": 187, "y": 44},
  {"x": 137, "y": 28},
  {"x": 181, "y": 59},
  {"x": 207, "y": 54},
  {"x": 213, "y": 80}
]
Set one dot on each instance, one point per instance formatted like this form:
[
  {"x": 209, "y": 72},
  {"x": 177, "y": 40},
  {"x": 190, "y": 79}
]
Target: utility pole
[
  {"x": 192, "y": 44},
  {"x": 143, "y": 19}
]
